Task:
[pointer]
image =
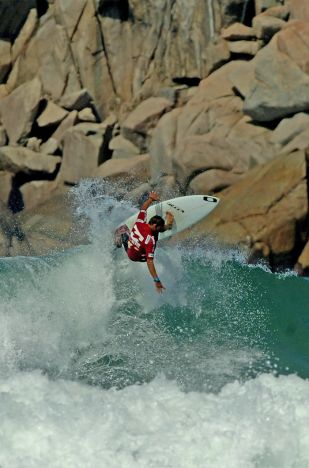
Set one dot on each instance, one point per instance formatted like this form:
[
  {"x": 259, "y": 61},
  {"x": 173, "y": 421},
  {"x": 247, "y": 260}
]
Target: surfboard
[{"x": 187, "y": 211}]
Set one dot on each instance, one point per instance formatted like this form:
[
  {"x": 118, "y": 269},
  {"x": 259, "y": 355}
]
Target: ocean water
[{"x": 97, "y": 370}]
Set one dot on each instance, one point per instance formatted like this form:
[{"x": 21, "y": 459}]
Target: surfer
[{"x": 140, "y": 243}]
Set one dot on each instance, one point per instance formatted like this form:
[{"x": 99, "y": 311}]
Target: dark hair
[{"x": 157, "y": 220}]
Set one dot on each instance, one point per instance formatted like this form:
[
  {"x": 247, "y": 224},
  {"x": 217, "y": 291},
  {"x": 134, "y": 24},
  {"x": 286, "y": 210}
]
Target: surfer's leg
[
  {"x": 124, "y": 240},
  {"x": 118, "y": 236}
]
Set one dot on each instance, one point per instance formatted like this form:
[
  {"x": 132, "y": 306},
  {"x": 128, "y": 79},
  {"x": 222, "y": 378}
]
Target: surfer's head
[{"x": 156, "y": 224}]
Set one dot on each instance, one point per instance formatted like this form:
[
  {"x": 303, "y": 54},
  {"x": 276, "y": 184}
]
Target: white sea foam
[{"x": 262, "y": 423}]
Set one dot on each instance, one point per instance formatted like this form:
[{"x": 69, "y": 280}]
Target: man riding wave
[{"x": 140, "y": 243}]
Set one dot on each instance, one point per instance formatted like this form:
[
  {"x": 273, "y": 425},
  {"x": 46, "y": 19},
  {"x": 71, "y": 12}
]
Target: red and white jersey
[{"x": 142, "y": 242}]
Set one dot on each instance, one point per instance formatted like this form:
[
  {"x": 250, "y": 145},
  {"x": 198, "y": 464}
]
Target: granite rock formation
[{"x": 202, "y": 96}]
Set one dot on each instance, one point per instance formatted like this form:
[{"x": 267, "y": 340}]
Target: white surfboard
[{"x": 187, "y": 211}]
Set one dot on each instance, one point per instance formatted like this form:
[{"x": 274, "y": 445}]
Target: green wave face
[{"x": 90, "y": 315}]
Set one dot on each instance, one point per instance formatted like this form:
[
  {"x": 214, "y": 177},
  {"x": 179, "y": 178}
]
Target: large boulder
[
  {"x": 65, "y": 126},
  {"x": 130, "y": 172},
  {"x": 50, "y": 226},
  {"x": 212, "y": 181},
  {"x": 19, "y": 109},
  {"x": 19, "y": 159},
  {"x": 122, "y": 148},
  {"x": 48, "y": 54},
  {"x": 82, "y": 154},
  {"x": 37, "y": 192},
  {"x": 266, "y": 26},
  {"x": 144, "y": 117},
  {"x": 212, "y": 132},
  {"x": 281, "y": 83},
  {"x": 292, "y": 134},
  {"x": 52, "y": 115},
  {"x": 77, "y": 100},
  {"x": 238, "y": 32},
  {"x": 269, "y": 206},
  {"x": 289, "y": 128}
]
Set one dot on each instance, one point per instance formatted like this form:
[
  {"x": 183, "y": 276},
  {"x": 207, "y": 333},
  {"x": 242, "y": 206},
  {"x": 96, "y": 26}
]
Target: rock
[
  {"x": 265, "y": 26},
  {"x": 69, "y": 14},
  {"x": 13, "y": 14},
  {"x": 163, "y": 144},
  {"x": 51, "y": 115},
  {"x": 238, "y": 32},
  {"x": 86, "y": 115},
  {"x": 299, "y": 10},
  {"x": 130, "y": 171},
  {"x": 290, "y": 128},
  {"x": 19, "y": 159},
  {"x": 38, "y": 191},
  {"x": 244, "y": 47},
  {"x": 3, "y": 136},
  {"x": 77, "y": 100},
  {"x": 89, "y": 46},
  {"x": 82, "y": 155},
  {"x": 5, "y": 59},
  {"x": 271, "y": 216},
  {"x": 165, "y": 46},
  {"x": 50, "y": 146},
  {"x": 242, "y": 77},
  {"x": 65, "y": 125},
  {"x": 212, "y": 181},
  {"x": 90, "y": 128},
  {"x": 136, "y": 168},
  {"x": 262, "y": 5},
  {"x": 201, "y": 153},
  {"x": 51, "y": 226},
  {"x": 5, "y": 186},
  {"x": 19, "y": 109},
  {"x": 217, "y": 54},
  {"x": 33, "y": 144},
  {"x": 304, "y": 257},
  {"x": 280, "y": 87},
  {"x": 25, "y": 34},
  {"x": 280, "y": 11},
  {"x": 210, "y": 95},
  {"x": 143, "y": 118},
  {"x": 49, "y": 56},
  {"x": 122, "y": 148},
  {"x": 300, "y": 142},
  {"x": 294, "y": 42}
]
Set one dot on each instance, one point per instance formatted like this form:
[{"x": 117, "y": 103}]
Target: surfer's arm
[
  {"x": 152, "y": 270},
  {"x": 153, "y": 196}
]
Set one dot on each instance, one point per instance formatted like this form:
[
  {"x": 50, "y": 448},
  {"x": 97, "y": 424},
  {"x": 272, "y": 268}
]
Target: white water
[
  {"x": 262, "y": 423},
  {"x": 50, "y": 310}
]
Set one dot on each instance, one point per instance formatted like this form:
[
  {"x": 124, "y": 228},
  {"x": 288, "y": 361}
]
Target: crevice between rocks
[
  {"x": 119, "y": 10},
  {"x": 15, "y": 199}
]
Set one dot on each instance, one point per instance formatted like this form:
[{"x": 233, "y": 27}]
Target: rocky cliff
[{"x": 195, "y": 96}]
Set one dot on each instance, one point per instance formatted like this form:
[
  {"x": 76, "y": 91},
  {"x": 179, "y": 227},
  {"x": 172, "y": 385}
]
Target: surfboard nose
[{"x": 207, "y": 198}]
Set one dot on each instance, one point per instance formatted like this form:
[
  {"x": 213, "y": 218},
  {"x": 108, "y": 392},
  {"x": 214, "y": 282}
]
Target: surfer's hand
[
  {"x": 169, "y": 219},
  {"x": 159, "y": 287},
  {"x": 154, "y": 196}
]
